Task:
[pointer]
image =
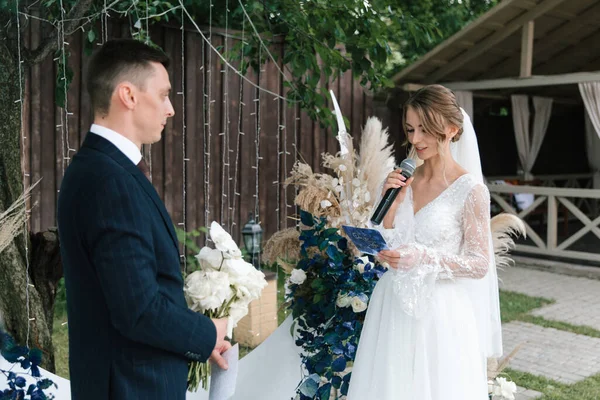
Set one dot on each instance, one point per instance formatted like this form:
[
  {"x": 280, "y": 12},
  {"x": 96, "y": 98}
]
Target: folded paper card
[{"x": 368, "y": 241}]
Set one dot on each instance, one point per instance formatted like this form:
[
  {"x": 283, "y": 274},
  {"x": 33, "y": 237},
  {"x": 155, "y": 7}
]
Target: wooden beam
[
  {"x": 494, "y": 39},
  {"x": 482, "y": 21},
  {"x": 527, "y": 49},
  {"x": 534, "y": 81},
  {"x": 565, "y": 35}
]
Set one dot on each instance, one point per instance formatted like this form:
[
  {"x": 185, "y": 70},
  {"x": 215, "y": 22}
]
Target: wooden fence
[{"x": 224, "y": 153}]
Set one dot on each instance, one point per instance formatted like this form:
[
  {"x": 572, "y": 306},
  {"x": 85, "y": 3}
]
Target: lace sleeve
[{"x": 474, "y": 258}]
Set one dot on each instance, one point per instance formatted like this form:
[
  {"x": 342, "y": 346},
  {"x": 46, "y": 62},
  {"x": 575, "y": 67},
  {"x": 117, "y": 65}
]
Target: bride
[{"x": 433, "y": 319}]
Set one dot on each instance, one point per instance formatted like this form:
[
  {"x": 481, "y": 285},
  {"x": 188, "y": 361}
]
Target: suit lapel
[{"x": 105, "y": 146}]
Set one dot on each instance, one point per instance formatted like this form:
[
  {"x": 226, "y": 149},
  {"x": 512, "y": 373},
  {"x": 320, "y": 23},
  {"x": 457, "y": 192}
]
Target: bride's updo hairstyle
[{"x": 437, "y": 108}]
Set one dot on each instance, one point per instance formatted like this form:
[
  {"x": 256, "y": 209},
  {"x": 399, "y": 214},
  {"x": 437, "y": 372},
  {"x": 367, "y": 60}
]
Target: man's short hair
[{"x": 117, "y": 61}]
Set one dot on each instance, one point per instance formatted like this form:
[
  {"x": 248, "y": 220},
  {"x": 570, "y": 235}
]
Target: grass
[{"x": 515, "y": 306}]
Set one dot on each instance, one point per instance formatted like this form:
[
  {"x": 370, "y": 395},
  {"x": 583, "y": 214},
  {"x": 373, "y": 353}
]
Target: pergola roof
[{"x": 563, "y": 38}]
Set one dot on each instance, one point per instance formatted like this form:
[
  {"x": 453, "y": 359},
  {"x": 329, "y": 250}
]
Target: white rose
[
  {"x": 360, "y": 266},
  {"x": 237, "y": 311},
  {"x": 210, "y": 258},
  {"x": 207, "y": 290},
  {"x": 356, "y": 182},
  {"x": 507, "y": 388},
  {"x": 237, "y": 268},
  {"x": 298, "y": 276},
  {"x": 343, "y": 300},
  {"x": 250, "y": 286},
  {"x": 358, "y": 305},
  {"x": 325, "y": 204},
  {"x": 223, "y": 241}
]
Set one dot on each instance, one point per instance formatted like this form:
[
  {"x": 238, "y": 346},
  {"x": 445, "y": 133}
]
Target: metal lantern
[{"x": 252, "y": 234}]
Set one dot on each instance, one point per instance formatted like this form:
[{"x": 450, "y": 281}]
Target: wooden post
[
  {"x": 552, "y": 222},
  {"x": 527, "y": 50}
]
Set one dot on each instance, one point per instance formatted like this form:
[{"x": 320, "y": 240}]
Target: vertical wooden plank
[
  {"x": 358, "y": 106},
  {"x": 73, "y": 95},
  {"x": 318, "y": 133},
  {"x": 48, "y": 163},
  {"x": 172, "y": 136},
  {"x": 215, "y": 106},
  {"x": 234, "y": 126},
  {"x": 157, "y": 150},
  {"x": 199, "y": 136},
  {"x": 368, "y": 105},
  {"x": 25, "y": 144},
  {"x": 86, "y": 117},
  {"x": 35, "y": 131},
  {"x": 290, "y": 148},
  {"x": 247, "y": 172},
  {"x": 269, "y": 161},
  {"x": 345, "y": 100},
  {"x": 307, "y": 141},
  {"x": 192, "y": 106}
]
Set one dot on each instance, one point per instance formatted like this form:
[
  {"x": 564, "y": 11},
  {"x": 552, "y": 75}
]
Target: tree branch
[{"x": 49, "y": 44}]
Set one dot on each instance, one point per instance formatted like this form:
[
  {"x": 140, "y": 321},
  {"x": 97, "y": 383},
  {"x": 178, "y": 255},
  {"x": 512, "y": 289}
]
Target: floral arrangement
[
  {"x": 329, "y": 291},
  {"x": 331, "y": 282},
  {"x": 224, "y": 286},
  {"x": 29, "y": 360}
]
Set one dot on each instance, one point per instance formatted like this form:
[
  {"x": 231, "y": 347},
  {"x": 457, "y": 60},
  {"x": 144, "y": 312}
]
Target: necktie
[{"x": 144, "y": 168}]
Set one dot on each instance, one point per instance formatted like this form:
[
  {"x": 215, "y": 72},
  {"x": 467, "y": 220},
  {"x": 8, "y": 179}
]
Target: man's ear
[{"x": 126, "y": 94}]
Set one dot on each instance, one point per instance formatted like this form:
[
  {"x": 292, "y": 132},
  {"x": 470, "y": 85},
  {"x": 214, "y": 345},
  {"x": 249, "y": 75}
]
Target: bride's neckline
[{"x": 435, "y": 198}]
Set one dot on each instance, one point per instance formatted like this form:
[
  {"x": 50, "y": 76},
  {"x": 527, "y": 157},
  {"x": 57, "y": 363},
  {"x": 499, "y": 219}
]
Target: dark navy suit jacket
[{"x": 131, "y": 334}]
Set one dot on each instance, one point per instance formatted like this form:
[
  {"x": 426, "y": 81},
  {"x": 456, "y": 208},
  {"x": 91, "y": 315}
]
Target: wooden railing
[{"x": 571, "y": 200}]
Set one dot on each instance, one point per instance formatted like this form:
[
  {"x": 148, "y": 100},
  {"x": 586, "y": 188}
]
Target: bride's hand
[
  {"x": 403, "y": 258},
  {"x": 394, "y": 180}
]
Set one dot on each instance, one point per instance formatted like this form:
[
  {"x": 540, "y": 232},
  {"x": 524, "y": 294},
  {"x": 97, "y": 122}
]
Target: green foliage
[
  {"x": 190, "y": 240},
  {"x": 323, "y": 38}
]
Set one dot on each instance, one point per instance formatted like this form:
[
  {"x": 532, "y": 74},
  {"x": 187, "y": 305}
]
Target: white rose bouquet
[{"x": 223, "y": 287}]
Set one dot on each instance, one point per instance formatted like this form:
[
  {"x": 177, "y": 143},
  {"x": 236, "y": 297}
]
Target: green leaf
[{"x": 91, "y": 36}]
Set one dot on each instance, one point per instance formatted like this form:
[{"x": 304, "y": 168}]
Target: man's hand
[
  {"x": 222, "y": 345},
  {"x": 216, "y": 356}
]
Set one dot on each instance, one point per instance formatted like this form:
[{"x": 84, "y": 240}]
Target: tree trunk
[{"x": 22, "y": 310}]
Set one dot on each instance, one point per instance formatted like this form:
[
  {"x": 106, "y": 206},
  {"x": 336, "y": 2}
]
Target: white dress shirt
[{"x": 126, "y": 146}]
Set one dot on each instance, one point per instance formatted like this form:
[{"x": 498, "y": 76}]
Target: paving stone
[{"x": 558, "y": 355}]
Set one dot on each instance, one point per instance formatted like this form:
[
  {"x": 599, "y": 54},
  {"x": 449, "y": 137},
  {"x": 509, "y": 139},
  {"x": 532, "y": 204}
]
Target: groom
[{"x": 131, "y": 334}]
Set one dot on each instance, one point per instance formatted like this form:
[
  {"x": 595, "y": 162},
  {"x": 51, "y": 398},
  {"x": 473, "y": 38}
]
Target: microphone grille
[{"x": 408, "y": 166}]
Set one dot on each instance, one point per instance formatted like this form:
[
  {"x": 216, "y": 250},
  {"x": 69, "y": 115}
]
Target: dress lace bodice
[{"x": 448, "y": 238}]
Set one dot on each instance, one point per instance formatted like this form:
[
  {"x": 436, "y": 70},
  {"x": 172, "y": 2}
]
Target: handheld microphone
[{"x": 408, "y": 167}]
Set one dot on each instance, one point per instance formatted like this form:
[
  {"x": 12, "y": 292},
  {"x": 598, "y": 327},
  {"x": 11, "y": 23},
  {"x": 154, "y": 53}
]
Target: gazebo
[{"x": 528, "y": 74}]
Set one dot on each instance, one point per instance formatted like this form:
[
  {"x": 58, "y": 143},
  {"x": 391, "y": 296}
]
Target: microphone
[{"x": 408, "y": 167}]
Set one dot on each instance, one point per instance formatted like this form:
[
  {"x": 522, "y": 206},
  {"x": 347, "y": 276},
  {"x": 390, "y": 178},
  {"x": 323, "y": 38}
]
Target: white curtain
[
  {"x": 465, "y": 101},
  {"x": 528, "y": 147},
  {"x": 590, "y": 92}
]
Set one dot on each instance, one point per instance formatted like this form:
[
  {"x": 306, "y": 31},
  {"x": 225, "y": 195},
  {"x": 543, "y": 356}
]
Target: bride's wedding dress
[{"x": 420, "y": 340}]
